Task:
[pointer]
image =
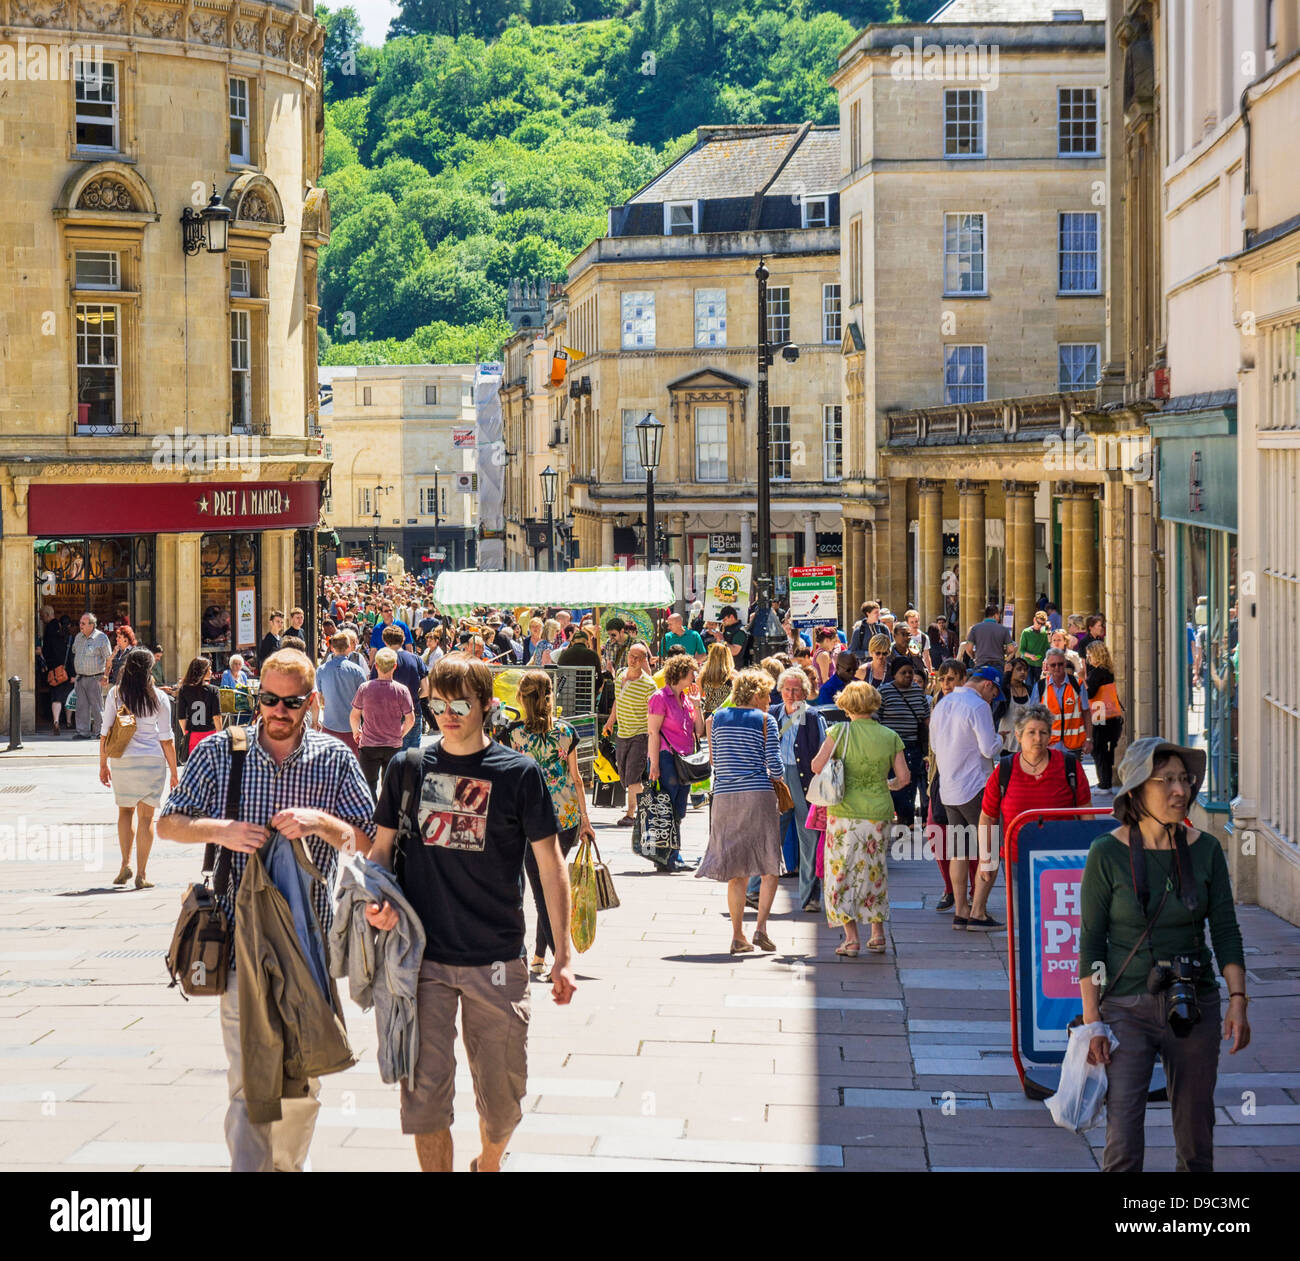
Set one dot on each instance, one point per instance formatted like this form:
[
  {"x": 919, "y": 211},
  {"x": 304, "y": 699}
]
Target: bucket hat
[{"x": 1135, "y": 767}]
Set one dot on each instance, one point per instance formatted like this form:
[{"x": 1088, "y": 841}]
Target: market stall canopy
[{"x": 459, "y": 594}]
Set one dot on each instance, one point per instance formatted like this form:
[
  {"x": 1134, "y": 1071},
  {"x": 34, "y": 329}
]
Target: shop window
[
  {"x": 1207, "y": 562},
  {"x": 111, "y": 577},
  {"x": 229, "y": 578}
]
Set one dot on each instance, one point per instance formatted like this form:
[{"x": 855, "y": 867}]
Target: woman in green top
[
  {"x": 1033, "y": 645},
  {"x": 1187, "y": 884},
  {"x": 856, "y": 883}
]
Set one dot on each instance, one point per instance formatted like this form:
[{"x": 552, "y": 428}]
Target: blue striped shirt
[{"x": 736, "y": 751}]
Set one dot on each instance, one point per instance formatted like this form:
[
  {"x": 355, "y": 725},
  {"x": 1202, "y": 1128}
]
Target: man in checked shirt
[{"x": 302, "y": 783}]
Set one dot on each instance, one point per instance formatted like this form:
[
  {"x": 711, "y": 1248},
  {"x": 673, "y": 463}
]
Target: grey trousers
[
  {"x": 263, "y": 1147},
  {"x": 1191, "y": 1069},
  {"x": 90, "y": 705}
]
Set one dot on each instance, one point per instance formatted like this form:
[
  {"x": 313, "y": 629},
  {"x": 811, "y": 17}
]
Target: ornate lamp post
[
  {"x": 649, "y": 441},
  {"x": 549, "y": 478}
]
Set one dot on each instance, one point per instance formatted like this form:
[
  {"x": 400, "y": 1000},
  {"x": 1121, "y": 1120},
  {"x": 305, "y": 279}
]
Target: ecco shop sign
[{"x": 96, "y": 508}]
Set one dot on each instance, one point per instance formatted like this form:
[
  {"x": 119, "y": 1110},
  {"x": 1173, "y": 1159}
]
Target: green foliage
[
  {"x": 479, "y": 145},
  {"x": 434, "y": 343}
]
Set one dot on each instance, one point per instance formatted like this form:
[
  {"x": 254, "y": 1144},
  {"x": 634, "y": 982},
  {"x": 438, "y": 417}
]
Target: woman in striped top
[
  {"x": 904, "y": 709},
  {"x": 744, "y": 824}
]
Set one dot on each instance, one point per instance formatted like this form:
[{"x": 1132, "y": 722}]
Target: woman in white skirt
[
  {"x": 856, "y": 885},
  {"x": 744, "y": 823},
  {"x": 140, "y": 776}
]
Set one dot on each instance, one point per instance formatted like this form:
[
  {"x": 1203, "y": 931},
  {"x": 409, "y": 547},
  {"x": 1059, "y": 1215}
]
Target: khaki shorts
[{"x": 494, "y": 1024}]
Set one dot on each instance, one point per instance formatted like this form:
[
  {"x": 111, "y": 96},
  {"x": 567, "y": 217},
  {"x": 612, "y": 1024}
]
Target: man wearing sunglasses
[
  {"x": 305, "y": 785},
  {"x": 471, "y": 810}
]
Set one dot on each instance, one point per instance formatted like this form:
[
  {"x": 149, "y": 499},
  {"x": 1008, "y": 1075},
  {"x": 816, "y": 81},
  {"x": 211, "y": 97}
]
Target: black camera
[{"x": 1176, "y": 978}]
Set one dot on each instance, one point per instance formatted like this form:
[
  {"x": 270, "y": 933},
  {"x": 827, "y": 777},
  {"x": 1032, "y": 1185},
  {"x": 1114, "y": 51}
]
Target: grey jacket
[{"x": 383, "y": 968}]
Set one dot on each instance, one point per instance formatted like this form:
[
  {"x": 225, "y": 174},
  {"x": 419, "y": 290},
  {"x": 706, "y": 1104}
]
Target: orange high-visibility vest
[{"x": 1067, "y": 726}]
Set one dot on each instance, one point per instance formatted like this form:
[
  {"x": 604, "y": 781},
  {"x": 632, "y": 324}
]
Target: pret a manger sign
[{"x": 244, "y": 502}]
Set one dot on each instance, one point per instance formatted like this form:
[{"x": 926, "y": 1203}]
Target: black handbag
[
  {"x": 693, "y": 768},
  {"x": 198, "y": 959},
  {"x": 656, "y": 834}
]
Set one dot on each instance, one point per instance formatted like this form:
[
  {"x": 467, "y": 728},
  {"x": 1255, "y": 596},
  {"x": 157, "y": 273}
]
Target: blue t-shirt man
[
  {"x": 337, "y": 681},
  {"x": 377, "y": 634}
]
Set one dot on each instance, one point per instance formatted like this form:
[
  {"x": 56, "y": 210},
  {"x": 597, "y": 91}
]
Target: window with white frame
[
  {"x": 98, "y": 269},
  {"x": 711, "y": 444},
  {"x": 1077, "y": 365},
  {"x": 99, "y": 366},
  {"x": 963, "y": 123},
  {"x": 1079, "y": 252},
  {"x": 428, "y": 502},
  {"x": 855, "y": 260},
  {"x": 633, "y": 469},
  {"x": 444, "y": 501},
  {"x": 831, "y": 326},
  {"x": 963, "y": 255},
  {"x": 1077, "y": 126},
  {"x": 680, "y": 218},
  {"x": 241, "y": 278},
  {"x": 240, "y": 134},
  {"x": 832, "y": 442},
  {"x": 710, "y": 317},
  {"x": 816, "y": 211},
  {"x": 241, "y": 372},
  {"x": 779, "y": 439},
  {"x": 778, "y": 314},
  {"x": 363, "y": 501},
  {"x": 97, "y": 104},
  {"x": 430, "y": 395},
  {"x": 964, "y": 379},
  {"x": 638, "y": 319}
]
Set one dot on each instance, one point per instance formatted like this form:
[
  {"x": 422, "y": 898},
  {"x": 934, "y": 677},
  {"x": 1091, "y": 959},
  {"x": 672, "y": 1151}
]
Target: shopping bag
[
  {"x": 826, "y": 788},
  {"x": 582, "y": 881},
  {"x": 655, "y": 835},
  {"x": 1080, "y": 1100},
  {"x": 606, "y": 895}
]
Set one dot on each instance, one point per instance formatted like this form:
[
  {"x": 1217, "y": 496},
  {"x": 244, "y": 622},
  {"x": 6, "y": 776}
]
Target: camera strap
[
  {"x": 1146, "y": 932},
  {"x": 1182, "y": 869}
]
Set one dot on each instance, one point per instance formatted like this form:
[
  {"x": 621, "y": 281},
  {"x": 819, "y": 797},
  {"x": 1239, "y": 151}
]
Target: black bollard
[{"x": 15, "y": 714}]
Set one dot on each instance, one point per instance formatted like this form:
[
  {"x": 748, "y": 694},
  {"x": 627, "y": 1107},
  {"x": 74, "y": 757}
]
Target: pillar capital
[
  {"x": 930, "y": 485},
  {"x": 1018, "y": 489},
  {"x": 966, "y": 486}
]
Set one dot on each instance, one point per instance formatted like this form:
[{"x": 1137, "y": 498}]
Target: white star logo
[
  {"x": 202, "y": 504},
  {"x": 285, "y": 501}
]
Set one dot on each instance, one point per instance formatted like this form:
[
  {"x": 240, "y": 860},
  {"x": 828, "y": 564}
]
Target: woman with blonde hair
[
  {"x": 553, "y": 744},
  {"x": 716, "y": 678},
  {"x": 856, "y": 885},
  {"x": 773, "y": 667},
  {"x": 1107, "y": 713},
  {"x": 877, "y": 668},
  {"x": 744, "y": 822}
]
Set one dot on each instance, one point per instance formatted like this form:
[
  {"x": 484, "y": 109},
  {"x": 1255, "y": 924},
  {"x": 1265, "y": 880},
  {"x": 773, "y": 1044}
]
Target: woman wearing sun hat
[{"x": 1182, "y": 877}]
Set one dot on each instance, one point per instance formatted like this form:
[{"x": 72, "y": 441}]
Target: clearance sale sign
[{"x": 813, "y": 596}]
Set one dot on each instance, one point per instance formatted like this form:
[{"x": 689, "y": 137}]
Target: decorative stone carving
[
  {"x": 246, "y": 36},
  {"x": 105, "y": 18},
  {"x": 254, "y": 209},
  {"x": 211, "y": 31},
  {"x": 106, "y": 194},
  {"x": 160, "y": 23},
  {"x": 298, "y": 50},
  {"x": 41, "y": 15},
  {"x": 275, "y": 39}
]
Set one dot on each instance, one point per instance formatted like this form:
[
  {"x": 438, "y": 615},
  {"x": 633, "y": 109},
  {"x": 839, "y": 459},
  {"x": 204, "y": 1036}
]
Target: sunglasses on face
[
  {"x": 459, "y": 708},
  {"x": 269, "y": 700}
]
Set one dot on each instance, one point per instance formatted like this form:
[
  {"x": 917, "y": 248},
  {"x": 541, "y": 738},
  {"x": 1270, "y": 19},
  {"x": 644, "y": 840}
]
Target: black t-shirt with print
[
  {"x": 465, "y": 880},
  {"x": 199, "y": 705}
]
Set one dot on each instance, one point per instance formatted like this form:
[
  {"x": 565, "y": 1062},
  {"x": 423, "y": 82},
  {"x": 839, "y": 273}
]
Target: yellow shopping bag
[{"x": 582, "y": 880}]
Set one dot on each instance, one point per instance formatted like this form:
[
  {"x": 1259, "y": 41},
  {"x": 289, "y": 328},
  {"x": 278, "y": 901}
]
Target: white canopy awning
[{"x": 458, "y": 594}]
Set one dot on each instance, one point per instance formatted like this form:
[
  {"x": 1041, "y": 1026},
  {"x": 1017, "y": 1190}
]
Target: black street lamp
[
  {"x": 209, "y": 229},
  {"x": 437, "y": 515},
  {"x": 649, "y": 441},
  {"x": 380, "y": 489},
  {"x": 549, "y": 478},
  {"x": 768, "y": 636}
]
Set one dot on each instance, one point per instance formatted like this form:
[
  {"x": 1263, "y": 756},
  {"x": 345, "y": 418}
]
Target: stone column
[
  {"x": 184, "y": 601},
  {"x": 1019, "y": 524},
  {"x": 1065, "y": 491},
  {"x": 971, "y": 559},
  {"x": 22, "y": 634},
  {"x": 848, "y": 575},
  {"x": 746, "y": 538},
  {"x": 898, "y": 579},
  {"x": 1084, "y": 556},
  {"x": 929, "y": 541},
  {"x": 809, "y": 538},
  {"x": 607, "y": 540},
  {"x": 679, "y": 567}
]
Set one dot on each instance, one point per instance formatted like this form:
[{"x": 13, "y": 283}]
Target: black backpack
[{"x": 1071, "y": 773}]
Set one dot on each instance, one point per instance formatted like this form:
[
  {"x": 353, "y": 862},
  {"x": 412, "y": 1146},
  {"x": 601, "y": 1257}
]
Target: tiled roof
[
  {"x": 980, "y": 11},
  {"x": 738, "y": 161}
]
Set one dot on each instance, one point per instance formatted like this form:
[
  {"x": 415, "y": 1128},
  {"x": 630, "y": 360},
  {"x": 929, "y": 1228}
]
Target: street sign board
[
  {"x": 726, "y": 584},
  {"x": 724, "y": 544},
  {"x": 813, "y": 596}
]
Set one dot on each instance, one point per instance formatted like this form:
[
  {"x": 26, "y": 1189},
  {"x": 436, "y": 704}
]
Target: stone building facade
[{"x": 160, "y": 457}]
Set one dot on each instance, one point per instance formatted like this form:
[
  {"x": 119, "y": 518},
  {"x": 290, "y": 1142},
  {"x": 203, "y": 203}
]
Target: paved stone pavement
[{"x": 673, "y": 1055}]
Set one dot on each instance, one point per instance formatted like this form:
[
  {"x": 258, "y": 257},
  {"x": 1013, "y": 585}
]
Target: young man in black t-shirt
[{"x": 474, "y": 808}]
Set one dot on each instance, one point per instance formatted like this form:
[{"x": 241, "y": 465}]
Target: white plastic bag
[
  {"x": 1080, "y": 1101},
  {"x": 826, "y": 788}
]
